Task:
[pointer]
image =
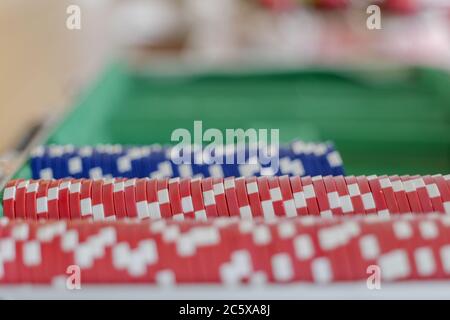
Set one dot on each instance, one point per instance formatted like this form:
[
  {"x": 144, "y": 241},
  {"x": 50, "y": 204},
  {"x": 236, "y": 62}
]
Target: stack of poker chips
[
  {"x": 207, "y": 198},
  {"x": 156, "y": 161},
  {"x": 227, "y": 251}
]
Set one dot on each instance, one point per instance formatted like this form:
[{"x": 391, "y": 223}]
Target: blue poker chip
[
  {"x": 96, "y": 172},
  {"x": 321, "y": 153},
  {"x": 85, "y": 154},
  {"x": 36, "y": 161},
  {"x": 298, "y": 149},
  {"x": 334, "y": 159}
]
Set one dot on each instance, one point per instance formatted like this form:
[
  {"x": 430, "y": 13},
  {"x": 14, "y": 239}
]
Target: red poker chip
[
  {"x": 141, "y": 199},
  {"x": 74, "y": 199},
  {"x": 322, "y": 198},
  {"x": 20, "y": 207},
  {"x": 288, "y": 198},
  {"x": 52, "y": 199},
  {"x": 366, "y": 195},
  {"x": 253, "y": 196},
  {"x": 378, "y": 196},
  {"x": 344, "y": 195},
  {"x": 298, "y": 196},
  {"x": 310, "y": 196},
  {"x": 400, "y": 194},
  {"x": 63, "y": 199},
  {"x": 86, "y": 199},
  {"x": 197, "y": 199},
  {"x": 245, "y": 210},
  {"x": 108, "y": 199},
  {"x": 230, "y": 195},
  {"x": 152, "y": 199},
  {"x": 333, "y": 196},
  {"x": 119, "y": 198},
  {"x": 9, "y": 198},
  {"x": 175, "y": 198},
  {"x": 220, "y": 198},
  {"x": 434, "y": 194},
  {"x": 444, "y": 190},
  {"x": 266, "y": 198},
  {"x": 163, "y": 198},
  {"x": 98, "y": 211},
  {"x": 130, "y": 198},
  {"x": 186, "y": 199},
  {"x": 276, "y": 196},
  {"x": 411, "y": 194},
  {"x": 355, "y": 195},
  {"x": 388, "y": 193},
  {"x": 41, "y": 200},
  {"x": 209, "y": 199},
  {"x": 422, "y": 192}
]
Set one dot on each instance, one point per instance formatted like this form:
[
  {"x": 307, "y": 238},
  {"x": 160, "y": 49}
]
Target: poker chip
[
  {"x": 444, "y": 191},
  {"x": 434, "y": 194},
  {"x": 245, "y": 210},
  {"x": 209, "y": 199},
  {"x": 52, "y": 199},
  {"x": 266, "y": 198},
  {"x": 186, "y": 199},
  {"x": 411, "y": 193},
  {"x": 152, "y": 199},
  {"x": 400, "y": 194},
  {"x": 344, "y": 195},
  {"x": 310, "y": 196},
  {"x": 108, "y": 199},
  {"x": 175, "y": 198},
  {"x": 9, "y": 198},
  {"x": 322, "y": 197},
  {"x": 141, "y": 199},
  {"x": 74, "y": 199},
  {"x": 197, "y": 199},
  {"x": 378, "y": 196},
  {"x": 19, "y": 209},
  {"x": 63, "y": 199},
  {"x": 299, "y": 196},
  {"x": 86, "y": 199},
  {"x": 98, "y": 211},
  {"x": 333, "y": 196},
  {"x": 288, "y": 197},
  {"x": 163, "y": 198},
  {"x": 42, "y": 200},
  {"x": 130, "y": 198},
  {"x": 119, "y": 198},
  {"x": 276, "y": 196},
  {"x": 230, "y": 195},
  {"x": 220, "y": 198},
  {"x": 424, "y": 196},
  {"x": 388, "y": 193},
  {"x": 355, "y": 194},
  {"x": 366, "y": 195}
]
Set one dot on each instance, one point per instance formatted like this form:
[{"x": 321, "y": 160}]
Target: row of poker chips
[
  {"x": 156, "y": 161},
  {"x": 268, "y": 197},
  {"x": 227, "y": 251}
]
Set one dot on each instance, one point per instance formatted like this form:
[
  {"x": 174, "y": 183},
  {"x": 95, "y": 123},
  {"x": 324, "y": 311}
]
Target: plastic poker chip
[
  {"x": 186, "y": 199},
  {"x": 411, "y": 194},
  {"x": 119, "y": 198},
  {"x": 378, "y": 196},
  {"x": 108, "y": 199},
  {"x": 197, "y": 199},
  {"x": 333, "y": 196},
  {"x": 253, "y": 197},
  {"x": 163, "y": 198},
  {"x": 63, "y": 199},
  {"x": 322, "y": 197},
  {"x": 344, "y": 195},
  {"x": 9, "y": 198},
  {"x": 52, "y": 199},
  {"x": 152, "y": 199},
  {"x": 74, "y": 199},
  {"x": 388, "y": 192},
  {"x": 422, "y": 192},
  {"x": 288, "y": 198},
  {"x": 209, "y": 199},
  {"x": 230, "y": 194},
  {"x": 98, "y": 211},
  {"x": 266, "y": 198},
  {"x": 310, "y": 196},
  {"x": 130, "y": 198},
  {"x": 141, "y": 199},
  {"x": 400, "y": 194},
  {"x": 20, "y": 208},
  {"x": 299, "y": 196},
  {"x": 245, "y": 210},
  {"x": 220, "y": 198},
  {"x": 175, "y": 198},
  {"x": 433, "y": 194},
  {"x": 276, "y": 196},
  {"x": 355, "y": 195},
  {"x": 444, "y": 190},
  {"x": 86, "y": 199},
  {"x": 41, "y": 200},
  {"x": 366, "y": 195}
]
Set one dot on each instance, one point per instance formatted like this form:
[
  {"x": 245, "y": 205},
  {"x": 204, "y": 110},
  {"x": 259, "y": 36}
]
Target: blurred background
[{"x": 44, "y": 65}]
